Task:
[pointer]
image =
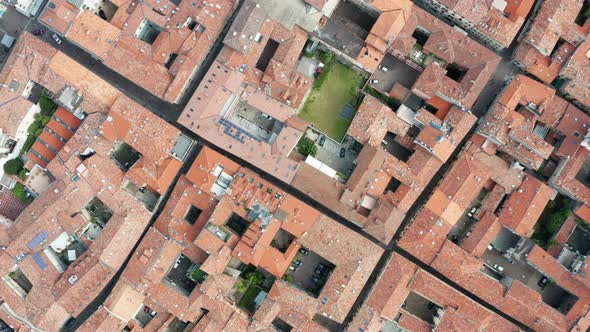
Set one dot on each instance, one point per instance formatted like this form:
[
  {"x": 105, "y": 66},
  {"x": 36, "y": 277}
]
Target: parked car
[
  {"x": 383, "y": 68},
  {"x": 318, "y": 272},
  {"x": 315, "y": 279},
  {"x": 303, "y": 251},
  {"x": 498, "y": 268},
  {"x": 38, "y": 32},
  {"x": 292, "y": 268},
  {"x": 384, "y": 142},
  {"x": 543, "y": 282},
  {"x": 322, "y": 140},
  {"x": 298, "y": 263},
  {"x": 321, "y": 266},
  {"x": 342, "y": 152},
  {"x": 56, "y": 38},
  {"x": 373, "y": 82}
]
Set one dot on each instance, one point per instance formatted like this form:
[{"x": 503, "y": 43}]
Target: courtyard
[
  {"x": 329, "y": 152},
  {"x": 309, "y": 272},
  {"x": 333, "y": 101},
  {"x": 394, "y": 71}
]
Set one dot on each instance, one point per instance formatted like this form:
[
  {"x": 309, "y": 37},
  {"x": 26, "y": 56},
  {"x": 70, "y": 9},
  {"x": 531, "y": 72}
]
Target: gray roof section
[
  {"x": 245, "y": 27},
  {"x": 292, "y": 12}
]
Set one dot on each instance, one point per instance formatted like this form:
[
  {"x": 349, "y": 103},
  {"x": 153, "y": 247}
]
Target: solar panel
[
  {"x": 37, "y": 239},
  {"x": 39, "y": 260}
]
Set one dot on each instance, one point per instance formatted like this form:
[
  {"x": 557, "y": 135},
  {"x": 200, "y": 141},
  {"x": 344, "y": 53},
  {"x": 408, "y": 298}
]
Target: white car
[
  {"x": 498, "y": 268},
  {"x": 56, "y": 38},
  {"x": 373, "y": 81},
  {"x": 383, "y": 68}
]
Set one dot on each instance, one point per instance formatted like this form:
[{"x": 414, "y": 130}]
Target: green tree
[
  {"x": 42, "y": 119},
  {"x": 242, "y": 286},
  {"x": 307, "y": 147},
  {"x": 47, "y": 105},
  {"x": 33, "y": 128},
  {"x": 22, "y": 174},
  {"x": 13, "y": 166},
  {"x": 20, "y": 192},
  {"x": 255, "y": 278},
  {"x": 28, "y": 143}
]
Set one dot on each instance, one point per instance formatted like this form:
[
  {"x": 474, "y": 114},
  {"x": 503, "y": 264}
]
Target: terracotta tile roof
[
  {"x": 399, "y": 278},
  {"x": 392, "y": 19},
  {"x": 222, "y": 90},
  {"x": 465, "y": 270},
  {"x": 574, "y": 124},
  {"x": 60, "y": 16},
  {"x": 565, "y": 176},
  {"x": 444, "y": 42},
  {"x": 102, "y": 320},
  {"x": 373, "y": 120},
  {"x": 482, "y": 234},
  {"x": 56, "y": 296},
  {"x": 57, "y": 126},
  {"x": 555, "y": 19},
  {"x": 584, "y": 213},
  {"x": 525, "y": 205},
  {"x": 376, "y": 167},
  {"x": 425, "y": 236},
  {"x": 410, "y": 322},
  {"x": 93, "y": 34},
  {"x": 520, "y": 123},
  {"x": 354, "y": 257},
  {"x": 499, "y": 25},
  {"x": 300, "y": 217},
  {"x": 576, "y": 72},
  {"x": 115, "y": 43}
]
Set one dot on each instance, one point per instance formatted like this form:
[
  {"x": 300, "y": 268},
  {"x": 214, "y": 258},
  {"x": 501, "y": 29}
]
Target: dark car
[
  {"x": 322, "y": 140},
  {"x": 317, "y": 272},
  {"x": 303, "y": 251},
  {"x": 543, "y": 282},
  {"x": 298, "y": 263},
  {"x": 342, "y": 152},
  {"x": 321, "y": 266},
  {"x": 315, "y": 279},
  {"x": 38, "y": 32}
]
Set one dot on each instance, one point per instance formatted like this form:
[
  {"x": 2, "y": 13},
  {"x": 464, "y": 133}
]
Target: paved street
[
  {"x": 13, "y": 22},
  {"x": 165, "y": 110}
]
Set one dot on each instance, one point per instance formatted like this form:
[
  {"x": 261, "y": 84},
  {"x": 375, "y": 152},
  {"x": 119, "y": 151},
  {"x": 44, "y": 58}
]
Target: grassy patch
[
  {"x": 336, "y": 87},
  {"x": 247, "y": 300},
  {"x": 554, "y": 215}
]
